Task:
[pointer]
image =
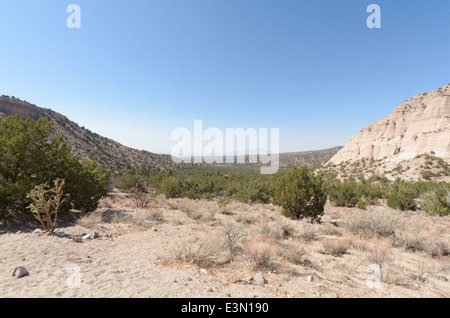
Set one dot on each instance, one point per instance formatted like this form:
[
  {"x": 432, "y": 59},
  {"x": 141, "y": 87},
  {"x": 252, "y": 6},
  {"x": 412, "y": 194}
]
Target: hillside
[
  {"x": 86, "y": 144},
  {"x": 310, "y": 158},
  {"x": 408, "y": 140}
]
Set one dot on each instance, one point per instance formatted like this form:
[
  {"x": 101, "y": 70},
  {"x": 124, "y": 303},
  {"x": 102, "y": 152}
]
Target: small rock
[
  {"x": 77, "y": 239},
  {"x": 154, "y": 229},
  {"x": 203, "y": 271},
  {"x": 259, "y": 278},
  {"x": 95, "y": 235},
  {"x": 309, "y": 278},
  {"x": 210, "y": 290},
  {"x": 87, "y": 237},
  {"x": 38, "y": 231},
  {"x": 21, "y": 272},
  {"x": 189, "y": 279},
  {"x": 18, "y": 232}
]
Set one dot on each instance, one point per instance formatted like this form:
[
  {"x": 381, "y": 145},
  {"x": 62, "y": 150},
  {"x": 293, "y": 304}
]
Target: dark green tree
[
  {"x": 300, "y": 194},
  {"x": 28, "y": 157}
]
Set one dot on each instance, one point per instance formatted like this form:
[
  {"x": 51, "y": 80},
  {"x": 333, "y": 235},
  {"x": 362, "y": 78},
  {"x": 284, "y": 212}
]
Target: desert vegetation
[
  {"x": 29, "y": 158},
  {"x": 300, "y": 232}
]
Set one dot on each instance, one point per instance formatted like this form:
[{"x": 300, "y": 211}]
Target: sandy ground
[{"x": 136, "y": 258}]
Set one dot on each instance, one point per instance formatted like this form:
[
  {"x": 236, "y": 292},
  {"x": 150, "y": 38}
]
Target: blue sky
[{"x": 138, "y": 69}]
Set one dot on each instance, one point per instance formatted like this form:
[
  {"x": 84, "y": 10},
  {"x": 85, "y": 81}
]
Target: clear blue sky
[{"x": 138, "y": 69}]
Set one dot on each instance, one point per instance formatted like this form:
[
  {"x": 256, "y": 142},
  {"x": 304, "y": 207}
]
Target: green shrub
[
  {"x": 170, "y": 187},
  {"x": 343, "y": 194},
  {"x": 29, "y": 158},
  {"x": 437, "y": 202},
  {"x": 361, "y": 204},
  {"x": 301, "y": 194},
  {"x": 401, "y": 197}
]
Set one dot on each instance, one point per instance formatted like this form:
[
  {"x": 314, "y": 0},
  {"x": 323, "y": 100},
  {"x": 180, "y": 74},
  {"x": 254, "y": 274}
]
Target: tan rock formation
[{"x": 419, "y": 125}]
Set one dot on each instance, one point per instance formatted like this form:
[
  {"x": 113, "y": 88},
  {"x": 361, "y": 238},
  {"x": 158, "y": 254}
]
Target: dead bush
[
  {"x": 380, "y": 255},
  {"x": 294, "y": 253},
  {"x": 330, "y": 229},
  {"x": 308, "y": 232},
  {"x": 373, "y": 223},
  {"x": 233, "y": 234},
  {"x": 334, "y": 247},
  {"x": 259, "y": 255},
  {"x": 203, "y": 254},
  {"x": 144, "y": 218},
  {"x": 414, "y": 242},
  {"x": 142, "y": 198}
]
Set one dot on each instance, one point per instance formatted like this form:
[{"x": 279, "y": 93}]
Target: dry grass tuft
[
  {"x": 259, "y": 256},
  {"x": 308, "y": 232},
  {"x": 334, "y": 247},
  {"x": 90, "y": 220},
  {"x": 294, "y": 253},
  {"x": 205, "y": 254},
  {"x": 144, "y": 218},
  {"x": 375, "y": 223}
]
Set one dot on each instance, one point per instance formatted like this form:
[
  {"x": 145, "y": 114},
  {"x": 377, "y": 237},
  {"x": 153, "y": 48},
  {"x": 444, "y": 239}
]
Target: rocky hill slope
[
  {"x": 86, "y": 144},
  {"x": 407, "y": 142},
  {"x": 419, "y": 125}
]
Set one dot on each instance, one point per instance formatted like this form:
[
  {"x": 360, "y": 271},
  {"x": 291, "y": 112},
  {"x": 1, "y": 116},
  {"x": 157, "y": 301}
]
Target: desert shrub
[
  {"x": 142, "y": 198},
  {"x": 380, "y": 255},
  {"x": 143, "y": 218},
  {"x": 307, "y": 232},
  {"x": 28, "y": 157},
  {"x": 374, "y": 223},
  {"x": 170, "y": 187},
  {"x": 362, "y": 204},
  {"x": 410, "y": 241},
  {"x": 344, "y": 194},
  {"x": 294, "y": 253},
  {"x": 233, "y": 233},
  {"x": 401, "y": 197},
  {"x": 204, "y": 254},
  {"x": 130, "y": 181},
  {"x": 437, "y": 202},
  {"x": 223, "y": 202},
  {"x": 334, "y": 247},
  {"x": 300, "y": 194},
  {"x": 259, "y": 255},
  {"x": 255, "y": 191}
]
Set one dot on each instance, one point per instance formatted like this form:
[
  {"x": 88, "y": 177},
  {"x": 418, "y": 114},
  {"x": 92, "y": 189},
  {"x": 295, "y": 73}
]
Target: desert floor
[{"x": 196, "y": 249}]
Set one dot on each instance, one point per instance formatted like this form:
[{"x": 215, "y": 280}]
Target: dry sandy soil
[{"x": 196, "y": 249}]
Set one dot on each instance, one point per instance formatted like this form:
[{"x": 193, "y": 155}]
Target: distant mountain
[
  {"x": 310, "y": 158},
  {"x": 287, "y": 160},
  {"x": 86, "y": 144}
]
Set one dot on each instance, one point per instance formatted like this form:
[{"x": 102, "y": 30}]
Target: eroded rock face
[{"x": 419, "y": 125}]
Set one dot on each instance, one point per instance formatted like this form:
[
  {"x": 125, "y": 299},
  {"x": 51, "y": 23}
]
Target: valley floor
[{"x": 183, "y": 248}]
